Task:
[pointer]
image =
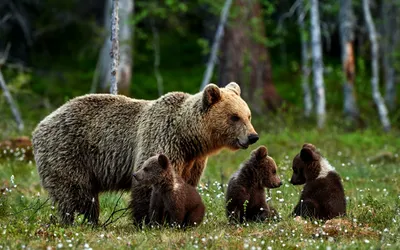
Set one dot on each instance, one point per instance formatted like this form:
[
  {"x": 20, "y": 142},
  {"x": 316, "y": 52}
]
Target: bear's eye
[
  {"x": 145, "y": 169},
  {"x": 295, "y": 170},
  {"x": 235, "y": 118},
  {"x": 274, "y": 171}
]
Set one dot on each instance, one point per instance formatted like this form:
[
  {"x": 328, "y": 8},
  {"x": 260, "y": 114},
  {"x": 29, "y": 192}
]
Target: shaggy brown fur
[
  {"x": 172, "y": 200},
  {"x": 323, "y": 194},
  {"x": 95, "y": 142},
  {"x": 245, "y": 196}
]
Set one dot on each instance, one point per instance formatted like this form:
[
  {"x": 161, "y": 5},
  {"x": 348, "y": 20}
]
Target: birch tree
[
  {"x": 347, "y": 22},
  {"x": 318, "y": 77},
  {"x": 114, "y": 53},
  {"x": 305, "y": 59},
  {"x": 382, "y": 110},
  {"x": 102, "y": 75}
]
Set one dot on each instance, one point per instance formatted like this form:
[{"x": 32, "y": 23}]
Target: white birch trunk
[
  {"x": 114, "y": 53},
  {"x": 103, "y": 69},
  {"x": 217, "y": 41},
  {"x": 13, "y": 105},
  {"x": 317, "y": 64},
  {"x": 346, "y": 15},
  {"x": 383, "y": 114},
  {"x": 305, "y": 59}
]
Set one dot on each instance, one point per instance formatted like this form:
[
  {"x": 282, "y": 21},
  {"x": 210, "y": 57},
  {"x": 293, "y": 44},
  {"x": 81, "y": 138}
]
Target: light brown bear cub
[
  {"x": 172, "y": 200},
  {"x": 323, "y": 195},
  {"x": 245, "y": 196}
]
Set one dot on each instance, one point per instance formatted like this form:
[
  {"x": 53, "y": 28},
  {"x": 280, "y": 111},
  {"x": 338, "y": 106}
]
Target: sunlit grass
[{"x": 371, "y": 181}]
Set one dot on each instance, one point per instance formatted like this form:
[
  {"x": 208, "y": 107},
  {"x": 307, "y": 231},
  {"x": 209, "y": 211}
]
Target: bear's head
[
  {"x": 307, "y": 165},
  {"x": 264, "y": 168},
  {"x": 228, "y": 117},
  {"x": 154, "y": 170}
]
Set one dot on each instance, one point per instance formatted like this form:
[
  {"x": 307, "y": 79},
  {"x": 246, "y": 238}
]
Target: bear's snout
[
  {"x": 253, "y": 138},
  {"x": 295, "y": 181}
]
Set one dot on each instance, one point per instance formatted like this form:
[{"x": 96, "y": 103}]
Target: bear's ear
[
  {"x": 309, "y": 145},
  {"x": 308, "y": 154},
  {"x": 163, "y": 161},
  {"x": 260, "y": 153},
  {"x": 234, "y": 87},
  {"x": 211, "y": 95}
]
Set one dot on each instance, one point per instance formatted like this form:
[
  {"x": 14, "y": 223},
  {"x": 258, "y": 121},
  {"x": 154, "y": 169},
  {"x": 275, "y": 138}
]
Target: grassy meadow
[{"x": 368, "y": 161}]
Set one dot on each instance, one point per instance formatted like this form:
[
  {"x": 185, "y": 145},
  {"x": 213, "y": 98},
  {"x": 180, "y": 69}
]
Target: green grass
[{"x": 368, "y": 162}]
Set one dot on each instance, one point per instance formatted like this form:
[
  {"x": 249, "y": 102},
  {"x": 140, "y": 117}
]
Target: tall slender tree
[
  {"x": 347, "y": 22},
  {"x": 317, "y": 64},
  {"x": 382, "y": 110},
  {"x": 124, "y": 69},
  {"x": 305, "y": 59}
]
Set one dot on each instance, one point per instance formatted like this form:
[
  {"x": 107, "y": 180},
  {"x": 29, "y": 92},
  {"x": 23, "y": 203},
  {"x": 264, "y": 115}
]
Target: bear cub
[
  {"x": 172, "y": 201},
  {"x": 323, "y": 194},
  {"x": 246, "y": 199}
]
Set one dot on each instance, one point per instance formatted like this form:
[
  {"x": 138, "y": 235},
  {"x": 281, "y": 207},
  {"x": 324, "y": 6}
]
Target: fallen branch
[
  {"x": 38, "y": 208},
  {"x": 111, "y": 219}
]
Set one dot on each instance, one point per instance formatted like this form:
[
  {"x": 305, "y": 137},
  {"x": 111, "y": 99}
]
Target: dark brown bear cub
[
  {"x": 323, "y": 195},
  {"x": 245, "y": 197},
  {"x": 172, "y": 200}
]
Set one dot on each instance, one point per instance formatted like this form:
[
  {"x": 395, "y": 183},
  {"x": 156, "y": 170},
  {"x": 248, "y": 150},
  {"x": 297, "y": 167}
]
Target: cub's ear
[
  {"x": 260, "y": 153},
  {"x": 163, "y": 161},
  {"x": 234, "y": 87},
  {"x": 309, "y": 145},
  {"x": 308, "y": 154},
  {"x": 211, "y": 95}
]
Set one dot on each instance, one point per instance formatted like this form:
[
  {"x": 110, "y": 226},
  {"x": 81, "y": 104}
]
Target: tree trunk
[
  {"x": 383, "y": 114},
  {"x": 124, "y": 70},
  {"x": 346, "y": 15},
  {"x": 233, "y": 47},
  {"x": 390, "y": 40},
  {"x": 317, "y": 64},
  {"x": 114, "y": 53},
  {"x": 305, "y": 59},
  {"x": 243, "y": 52}
]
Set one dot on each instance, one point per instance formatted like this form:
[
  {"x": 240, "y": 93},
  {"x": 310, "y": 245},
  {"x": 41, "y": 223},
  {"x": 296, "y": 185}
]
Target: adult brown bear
[{"x": 95, "y": 142}]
